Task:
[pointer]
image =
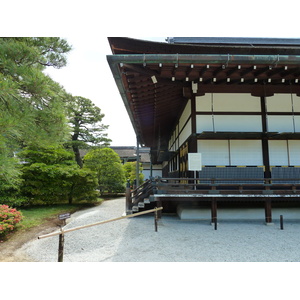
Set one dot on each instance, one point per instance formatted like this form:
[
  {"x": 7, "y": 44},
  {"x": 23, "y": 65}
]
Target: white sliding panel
[
  {"x": 203, "y": 103},
  {"x": 214, "y": 152},
  {"x": 297, "y": 123},
  {"x": 279, "y": 103},
  {"x": 280, "y": 124},
  {"x": 185, "y": 115},
  {"x": 236, "y": 102},
  {"x": 186, "y": 132},
  {"x": 296, "y": 102},
  {"x": 204, "y": 123},
  {"x": 294, "y": 152},
  {"x": 236, "y": 123},
  {"x": 278, "y": 152},
  {"x": 246, "y": 153}
]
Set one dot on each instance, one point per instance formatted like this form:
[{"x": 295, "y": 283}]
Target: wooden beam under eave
[{"x": 258, "y": 90}]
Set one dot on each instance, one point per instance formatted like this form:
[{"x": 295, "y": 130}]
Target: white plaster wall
[
  {"x": 280, "y": 124},
  {"x": 186, "y": 132},
  {"x": 294, "y": 152},
  {"x": 279, "y": 103},
  {"x": 231, "y": 152},
  {"x": 296, "y": 101},
  {"x": 237, "y": 123},
  {"x": 203, "y": 103},
  {"x": 278, "y": 153},
  {"x": 228, "y": 102},
  {"x": 204, "y": 123},
  {"x": 214, "y": 152},
  {"x": 246, "y": 153},
  {"x": 185, "y": 115},
  {"x": 236, "y": 102}
]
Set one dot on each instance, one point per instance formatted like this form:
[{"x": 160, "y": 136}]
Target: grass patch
[{"x": 37, "y": 215}]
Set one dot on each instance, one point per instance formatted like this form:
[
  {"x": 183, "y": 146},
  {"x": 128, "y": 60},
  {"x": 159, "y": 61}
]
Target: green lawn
[{"x": 36, "y": 215}]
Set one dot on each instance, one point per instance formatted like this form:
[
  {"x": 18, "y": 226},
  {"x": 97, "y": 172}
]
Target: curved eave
[{"x": 123, "y": 45}]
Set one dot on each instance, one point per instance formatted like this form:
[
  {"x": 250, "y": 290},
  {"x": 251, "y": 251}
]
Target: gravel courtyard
[{"x": 134, "y": 239}]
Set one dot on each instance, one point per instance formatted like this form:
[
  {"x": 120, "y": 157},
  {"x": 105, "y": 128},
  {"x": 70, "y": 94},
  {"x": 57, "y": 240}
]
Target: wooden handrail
[{"x": 226, "y": 179}]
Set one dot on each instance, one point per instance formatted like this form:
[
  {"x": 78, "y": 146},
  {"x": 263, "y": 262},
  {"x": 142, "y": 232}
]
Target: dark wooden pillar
[
  {"x": 268, "y": 210},
  {"x": 128, "y": 205},
  {"x": 137, "y": 161},
  {"x": 265, "y": 145},
  {"x": 159, "y": 204},
  {"x": 213, "y": 210},
  {"x": 193, "y": 140},
  {"x": 193, "y": 148}
]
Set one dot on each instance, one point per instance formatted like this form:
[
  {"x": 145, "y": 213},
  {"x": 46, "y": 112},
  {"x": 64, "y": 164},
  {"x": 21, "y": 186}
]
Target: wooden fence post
[
  {"x": 61, "y": 246},
  {"x": 213, "y": 210},
  {"x": 268, "y": 211},
  {"x": 155, "y": 219},
  {"x": 128, "y": 197},
  {"x": 281, "y": 222},
  {"x": 216, "y": 223}
]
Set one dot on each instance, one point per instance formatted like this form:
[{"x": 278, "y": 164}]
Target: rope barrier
[{"x": 100, "y": 223}]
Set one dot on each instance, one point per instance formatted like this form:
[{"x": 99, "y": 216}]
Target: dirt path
[{"x": 10, "y": 250}]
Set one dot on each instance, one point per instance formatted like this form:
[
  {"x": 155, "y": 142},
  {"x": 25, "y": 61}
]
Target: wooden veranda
[{"x": 161, "y": 192}]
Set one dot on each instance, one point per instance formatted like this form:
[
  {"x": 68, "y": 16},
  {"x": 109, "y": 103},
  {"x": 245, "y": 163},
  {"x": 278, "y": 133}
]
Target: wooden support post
[
  {"x": 281, "y": 222},
  {"x": 155, "y": 220},
  {"x": 128, "y": 198},
  {"x": 61, "y": 247},
  {"x": 213, "y": 210},
  {"x": 268, "y": 211},
  {"x": 137, "y": 174},
  {"x": 159, "y": 204}
]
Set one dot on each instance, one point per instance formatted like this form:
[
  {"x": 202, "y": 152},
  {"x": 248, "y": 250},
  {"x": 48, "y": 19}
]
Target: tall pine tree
[
  {"x": 31, "y": 103},
  {"x": 87, "y": 128}
]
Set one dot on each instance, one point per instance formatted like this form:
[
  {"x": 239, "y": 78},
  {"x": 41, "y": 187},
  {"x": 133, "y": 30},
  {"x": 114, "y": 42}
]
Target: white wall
[
  {"x": 284, "y": 152},
  {"x": 227, "y": 102},
  {"x": 280, "y": 124},
  {"x": 186, "y": 132},
  {"x": 214, "y": 152},
  {"x": 185, "y": 115},
  {"x": 246, "y": 153},
  {"x": 231, "y": 152}
]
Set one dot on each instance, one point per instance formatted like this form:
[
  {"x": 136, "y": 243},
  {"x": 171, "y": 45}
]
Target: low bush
[{"x": 9, "y": 217}]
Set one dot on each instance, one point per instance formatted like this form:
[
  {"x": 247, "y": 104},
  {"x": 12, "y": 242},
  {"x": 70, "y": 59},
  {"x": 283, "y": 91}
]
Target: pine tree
[{"x": 87, "y": 130}]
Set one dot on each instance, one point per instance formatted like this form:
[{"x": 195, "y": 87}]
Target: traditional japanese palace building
[{"x": 235, "y": 101}]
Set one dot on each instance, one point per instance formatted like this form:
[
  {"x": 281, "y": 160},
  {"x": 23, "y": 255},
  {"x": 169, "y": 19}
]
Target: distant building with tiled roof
[{"x": 128, "y": 154}]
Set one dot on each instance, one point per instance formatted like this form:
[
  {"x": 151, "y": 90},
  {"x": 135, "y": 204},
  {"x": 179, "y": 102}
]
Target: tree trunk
[
  {"x": 77, "y": 156},
  {"x": 70, "y": 196}
]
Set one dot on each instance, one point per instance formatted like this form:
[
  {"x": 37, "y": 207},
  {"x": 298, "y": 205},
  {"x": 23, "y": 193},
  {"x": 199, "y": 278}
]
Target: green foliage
[
  {"x": 31, "y": 103},
  {"x": 107, "y": 164},
  {"x": 130, "y": 172},
  {"x": 50, "y": 175},
  {"x": 9, "y": 217}
]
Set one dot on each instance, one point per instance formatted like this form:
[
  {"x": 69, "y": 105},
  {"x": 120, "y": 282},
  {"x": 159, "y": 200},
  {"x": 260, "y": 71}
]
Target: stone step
[
  {"x": 151, "y": 198},
  {"x": 146, "y": 200},
  {"x": 135, "y": 208},
  {"x": 141, "y": 204}
]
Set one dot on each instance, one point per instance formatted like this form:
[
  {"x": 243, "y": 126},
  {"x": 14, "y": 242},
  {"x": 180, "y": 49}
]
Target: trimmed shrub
[
  {"x": 9, "y": 217},
  {"x": 51, "y": 175}
]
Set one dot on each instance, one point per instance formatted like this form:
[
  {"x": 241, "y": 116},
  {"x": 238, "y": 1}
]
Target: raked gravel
[{"x": 135, "y": 240}]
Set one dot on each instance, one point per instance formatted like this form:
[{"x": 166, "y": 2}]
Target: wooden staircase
[{"x": 140, "y": 198}]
